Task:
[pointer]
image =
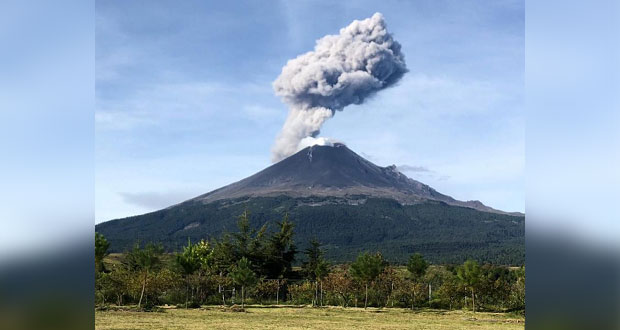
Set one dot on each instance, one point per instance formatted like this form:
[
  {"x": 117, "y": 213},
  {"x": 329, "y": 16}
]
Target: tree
[
  {"x": 339, "y": 283},
  {"x": 322, "y": 270},
  {"x": 280, "y": 251},
  {"x": 469, "y": 275},
  {"x": 517, "y": 292},
  {"x": 386, "y": 284},
  {"x": 244, "y": 236},
  {"x": 189, "y": 261},
  {"x": 495, "y": 286},
  {"x": 315, "y": 267},
  {"x": 144, "y": 261},
  {"x": 417, "y": 267},
  {"x": 451, "y": 290},
  {"x": 101, "y": 251},
  {"x": 119, "y": 280},
  {"x": 313, "y": 255},
  {"x": 222, "y": 259},
  {"x": 243, "y": 275},
  {"x": 366, "y": 268}
]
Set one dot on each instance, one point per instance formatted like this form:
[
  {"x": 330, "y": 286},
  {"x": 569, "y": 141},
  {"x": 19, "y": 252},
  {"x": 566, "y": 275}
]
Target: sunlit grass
[{"x": 258, "y": 317}]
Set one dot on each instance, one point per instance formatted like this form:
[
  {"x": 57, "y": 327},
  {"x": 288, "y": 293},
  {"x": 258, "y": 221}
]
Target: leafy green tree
[
  {"x": 205, "y": 275},
  {"x": 101, "y": 251},
  {"x": 189, "y": 262},
  {"x": 119, "y": 281},
  {"x": 469, "y": 275},
  {"x": 366, "y": 268},
  {"x": 417, "y": 267},
  {"x": 451, "y": 291},
  {"x": 243, "y": 275},
  {"x": 495, "y": 286},
  {"x": 517, "y": 291},
  {"x": 144, "y": 261}
]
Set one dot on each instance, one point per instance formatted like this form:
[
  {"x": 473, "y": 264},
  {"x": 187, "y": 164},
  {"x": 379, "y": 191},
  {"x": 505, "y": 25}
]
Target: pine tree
[
  {"x": 315, "y": 267},
  {"x": 144, "y": 261},
  {"x": 243, "y": 275},
  {"x": 280, "y": 250}
]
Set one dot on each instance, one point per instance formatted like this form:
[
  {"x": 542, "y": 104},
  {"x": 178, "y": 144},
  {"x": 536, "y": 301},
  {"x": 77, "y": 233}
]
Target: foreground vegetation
[
  {"x": 256, "y": 266},
  {"x": 257, "y": 317}
]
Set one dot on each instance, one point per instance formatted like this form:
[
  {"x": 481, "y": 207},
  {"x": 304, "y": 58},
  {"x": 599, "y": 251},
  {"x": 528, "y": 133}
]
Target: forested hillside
[{"x": 346, "y": 226}]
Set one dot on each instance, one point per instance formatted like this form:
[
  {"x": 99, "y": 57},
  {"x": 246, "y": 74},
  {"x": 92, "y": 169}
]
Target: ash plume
[{"x": 342, "y": 69}]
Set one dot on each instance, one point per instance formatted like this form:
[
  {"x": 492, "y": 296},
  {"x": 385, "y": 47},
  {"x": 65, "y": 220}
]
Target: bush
[{"x": 302, "y": 293}]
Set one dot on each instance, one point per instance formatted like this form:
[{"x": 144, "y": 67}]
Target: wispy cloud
[
  {"x": 422, "y": 171},
  {"x": 155, "y": 200},
  {"x": 413, "y": 168}
]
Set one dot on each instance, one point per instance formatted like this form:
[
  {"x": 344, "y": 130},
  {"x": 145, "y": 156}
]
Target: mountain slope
[
  {"x": 347, "y": 203},
  {"x": 334, "y": 171}
]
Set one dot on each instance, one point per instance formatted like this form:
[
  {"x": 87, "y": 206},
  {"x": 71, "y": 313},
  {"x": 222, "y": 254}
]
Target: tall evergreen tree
[
  {"x": 315, "y": 267},
  {"x": 280, "y": 250},
  {"x": 313, "y": 254},
  {"x": 244, "y": 235},
  {"x": 248, "y": 242}
]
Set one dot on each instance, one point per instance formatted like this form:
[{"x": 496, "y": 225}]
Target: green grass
[{"x": 257, "y": 317}]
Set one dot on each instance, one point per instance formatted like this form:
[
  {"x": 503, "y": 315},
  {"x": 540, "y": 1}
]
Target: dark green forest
[{"x": 444, "y": 234}]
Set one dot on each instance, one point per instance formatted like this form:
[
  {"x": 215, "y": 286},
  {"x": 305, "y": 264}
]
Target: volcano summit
[
  {"x": 334, "y": 171},
  {"x": 347, "y": 203}
]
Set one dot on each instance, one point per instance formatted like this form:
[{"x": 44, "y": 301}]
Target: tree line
[{"x": 256, "y": 266}]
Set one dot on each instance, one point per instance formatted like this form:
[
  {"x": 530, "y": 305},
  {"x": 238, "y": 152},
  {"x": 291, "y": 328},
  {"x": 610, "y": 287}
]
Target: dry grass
[{"x": 256, "y": 317}]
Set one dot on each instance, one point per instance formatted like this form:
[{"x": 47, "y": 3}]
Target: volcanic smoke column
[{"x": 343, "y": 69}]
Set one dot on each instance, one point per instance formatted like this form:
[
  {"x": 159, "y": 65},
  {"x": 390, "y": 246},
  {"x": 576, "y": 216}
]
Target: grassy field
[{"x": 256, "y": 317}]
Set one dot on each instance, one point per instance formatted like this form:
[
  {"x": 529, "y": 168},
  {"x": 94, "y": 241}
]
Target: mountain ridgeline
[{"x": 346, "y": 202}]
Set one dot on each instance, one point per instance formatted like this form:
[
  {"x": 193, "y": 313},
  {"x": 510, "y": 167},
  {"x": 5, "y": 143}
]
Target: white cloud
[{"x": 155, "y": 199}]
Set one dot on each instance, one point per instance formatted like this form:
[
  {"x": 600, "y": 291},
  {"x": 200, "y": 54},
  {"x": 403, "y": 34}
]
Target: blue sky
[{"x": 184, "y": 102}]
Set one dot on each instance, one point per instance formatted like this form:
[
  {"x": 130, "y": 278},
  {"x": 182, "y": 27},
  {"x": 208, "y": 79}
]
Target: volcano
[
  {"x": 346, "y": 202},
  {"x": 334, "y": 171}
]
